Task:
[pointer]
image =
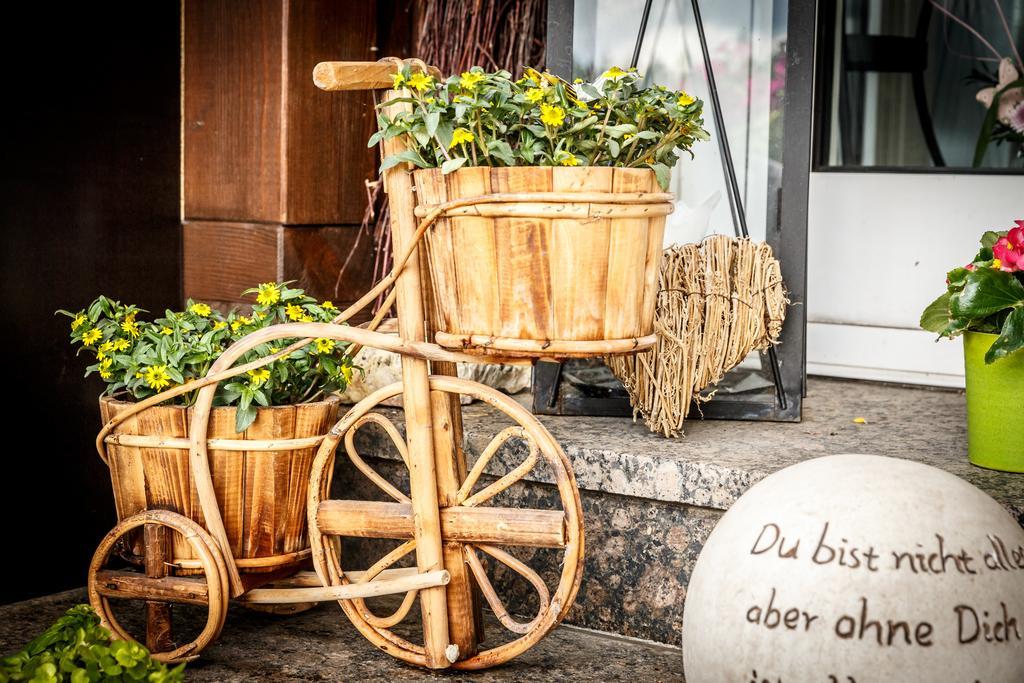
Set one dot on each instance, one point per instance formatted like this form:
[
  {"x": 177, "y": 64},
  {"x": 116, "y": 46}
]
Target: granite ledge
[{"x": 716, "y": 460}]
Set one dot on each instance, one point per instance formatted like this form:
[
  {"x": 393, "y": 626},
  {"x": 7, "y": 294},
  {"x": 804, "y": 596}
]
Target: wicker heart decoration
[{"x": 717, "y": 301}]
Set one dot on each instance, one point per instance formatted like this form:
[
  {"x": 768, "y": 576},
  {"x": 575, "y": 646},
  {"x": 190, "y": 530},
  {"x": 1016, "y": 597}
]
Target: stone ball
[{"x": 858, "y": 569}]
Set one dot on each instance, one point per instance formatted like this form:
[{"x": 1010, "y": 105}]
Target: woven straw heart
[{"x": 717, "y": 301}]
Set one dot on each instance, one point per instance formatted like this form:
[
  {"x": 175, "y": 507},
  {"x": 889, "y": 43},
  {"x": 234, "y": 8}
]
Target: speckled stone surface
[
  {"x": 320, "y": 645},
  {"x": 716, "y": 460},
  {"x": 649, "y": 503}
]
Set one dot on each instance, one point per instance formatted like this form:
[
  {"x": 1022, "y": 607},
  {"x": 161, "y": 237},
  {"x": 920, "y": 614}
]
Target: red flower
[{"x": 1009, "y": 250}]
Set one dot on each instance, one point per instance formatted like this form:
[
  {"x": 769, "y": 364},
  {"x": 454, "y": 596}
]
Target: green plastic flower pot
[{"x": 995, "y": 404}]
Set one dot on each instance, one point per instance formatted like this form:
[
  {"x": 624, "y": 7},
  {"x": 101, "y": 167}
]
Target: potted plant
[
  {"x": 984, "y": 301},
  {"x": 553, "y": 198},
  {"x": 261, "y": 493}
]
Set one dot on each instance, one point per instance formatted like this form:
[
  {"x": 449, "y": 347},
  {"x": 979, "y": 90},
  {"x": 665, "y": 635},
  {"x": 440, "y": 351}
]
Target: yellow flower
[
  {"x": 105, "y": 348},
  {"x": 534, "y": 95},
  {"x": 130, "y": 327},
  {"x": 328, "y": 306},
  {"x": 461, "y": 135},
  {"x": 219, "y": 325},
  {"x": 997, "y": 264},
  {"x": 614, "y": 73},
  {"x": 106, "y": 374},
  {"x": 397, "y": 80},
  {"x": 78, "y": 321},
  {"x": 293, "y": 312},
  {"x": 306, "y": 318},
  {"x": 346, "y": 372},
  {"x": 551, "y": 115},
  {"x": 577, "y": 81},
  {"x": 258, "y": 377},
  {"x": 122, "y": 345},
  {"x": 628, "y": 136},
  {"x": 685, "y": 99},
  {"x": 91, "y": 337},
  {"x": 166, "y": 331},
  {"x": 106, "y": 363},
  {"x": 267, "y": 294},
  {"x": 258, "y": 315},
  {"x": 324, "y": 345},
  {"x": 428, "y": 100},
  {"x": 274, "y": 349},
  {"x": 239, "y": 321},
  {"x": 568, "y": 159},
  {"x": 470, "y": 79},
  {"x": 202, "y": 310},
  {"x": 157, "y": 377},
  {"x": 420, "y": 81}
]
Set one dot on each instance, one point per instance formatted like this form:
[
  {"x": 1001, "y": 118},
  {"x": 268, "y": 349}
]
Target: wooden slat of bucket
[
  {"x": 522, "y": 249},
  {"x": 652, "y": 267},
  {"x": 228, "y": 471},
  {"x": 578, "y": 294},
  {"x": 473, "y": 239},
  {"x": 309, "y": 420},
  {"x": 126, "y": 474},
  {"x": 171, "y": 490},
  {"x": 265, "y": 475},
  {"x": 627, "y": 257},
  {"x": 431, "y": 188}
]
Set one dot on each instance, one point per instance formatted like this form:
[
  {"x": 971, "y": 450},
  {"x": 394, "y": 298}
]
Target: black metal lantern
[{"x": 773, "y": 388}]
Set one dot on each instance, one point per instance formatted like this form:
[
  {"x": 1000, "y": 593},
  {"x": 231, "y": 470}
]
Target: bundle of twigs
[
  {"x": 717, "y": 301},
  {"x": 454, "y": 35}
]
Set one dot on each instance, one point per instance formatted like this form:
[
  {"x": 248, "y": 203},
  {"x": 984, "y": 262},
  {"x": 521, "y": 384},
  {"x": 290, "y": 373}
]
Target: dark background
[{"x": 89, "y": 192}]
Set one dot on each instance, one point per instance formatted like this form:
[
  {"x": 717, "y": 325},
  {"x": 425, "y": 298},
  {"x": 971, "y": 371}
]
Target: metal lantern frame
[{"x": 787, "y": 237}]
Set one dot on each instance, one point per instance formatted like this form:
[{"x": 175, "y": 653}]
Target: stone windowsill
[{"x": 717, "y": 460}]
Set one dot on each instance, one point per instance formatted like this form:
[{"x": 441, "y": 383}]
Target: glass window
[{"x": 900, "y": 83}]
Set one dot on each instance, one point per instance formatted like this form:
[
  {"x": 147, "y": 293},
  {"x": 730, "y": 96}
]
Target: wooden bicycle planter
[
  {"x": 559, "y": 262},
  {"x": 518, "y": 263}
]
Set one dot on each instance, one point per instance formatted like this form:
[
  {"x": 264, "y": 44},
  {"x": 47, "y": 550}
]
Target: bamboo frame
[
  {"x": 213, "y": 566},
  {"x": 327, "y": 562}
]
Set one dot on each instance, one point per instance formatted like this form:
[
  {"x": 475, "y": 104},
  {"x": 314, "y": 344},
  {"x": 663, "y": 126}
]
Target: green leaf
[
  {"x": 405, "y": 155},
  {"x": 613, "y": 147},
  {"x": 245, "y": 414},
  {"x": 987, "y": 291},
  {"x": 430, "y": 121},
  {"x": 373, "y": 141},
  {"x": 935, "y": 317},
  {"x": 452, "y": 164},
  {"x": 1010, "y": 340},
  {"x": 663, "y": 173}
]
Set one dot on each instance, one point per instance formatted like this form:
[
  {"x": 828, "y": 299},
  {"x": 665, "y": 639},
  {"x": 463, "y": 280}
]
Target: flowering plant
[
  {"x": 986, "y": 295},
  {"x": 138, "y": 358},
  {"x": 485, "y": 118}
]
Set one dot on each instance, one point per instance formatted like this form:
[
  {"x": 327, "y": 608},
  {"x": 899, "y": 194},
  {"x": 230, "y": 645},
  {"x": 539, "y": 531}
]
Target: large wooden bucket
[
  {"x": 261, "y": 492},
  {"x": 544, "y": 278}
]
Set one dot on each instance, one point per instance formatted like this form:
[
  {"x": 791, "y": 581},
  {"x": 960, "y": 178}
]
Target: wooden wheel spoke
[
  {"x": 370, "y": 574},
  {"x": 396, "y": 437},
  {"x": 491, "y": 595},
  {"x": 129, "y": 585},
  {"x": 463, "y": 496},
  {"x": 490, "y": 525}
]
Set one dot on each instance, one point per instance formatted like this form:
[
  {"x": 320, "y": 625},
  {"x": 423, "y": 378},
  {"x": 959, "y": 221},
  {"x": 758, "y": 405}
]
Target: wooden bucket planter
[
  {"x": 544, "y": 278},
  {"x": 260, "y": 477}
]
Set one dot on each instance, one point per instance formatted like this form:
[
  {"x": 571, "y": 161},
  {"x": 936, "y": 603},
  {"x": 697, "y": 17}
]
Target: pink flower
[
  {"x": 969, "y": 266},
  {"x": 1009, "y": 250},
  {"x": 1010, "y": 100},
  {"x": 1016, "y": 120}
]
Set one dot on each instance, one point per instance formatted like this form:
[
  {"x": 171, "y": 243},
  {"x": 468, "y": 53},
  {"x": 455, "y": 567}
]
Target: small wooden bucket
[
  {"x": 261, "y": 492},
  {"x": 545, "y": 277}
]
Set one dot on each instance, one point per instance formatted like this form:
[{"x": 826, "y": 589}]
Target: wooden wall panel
[
  {"x": 326, "y": 158},
  {"x": 222, "y": 259},
  {"x": 232, "y": 109},
  {"x": 314, "y": 257},
  {"x": 262, "y": 143}
]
